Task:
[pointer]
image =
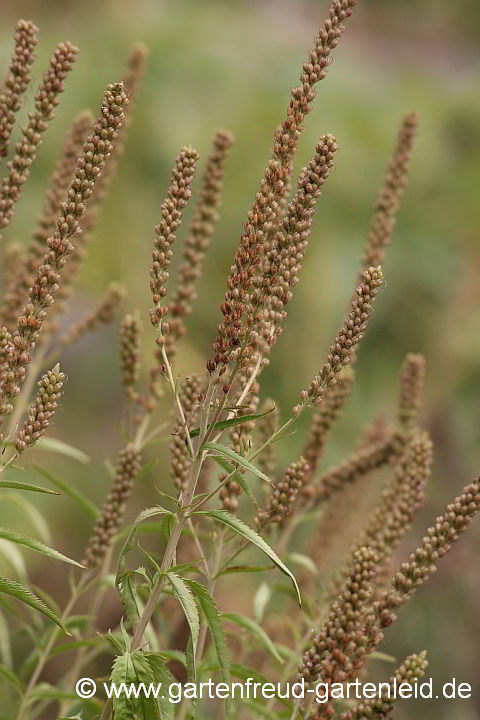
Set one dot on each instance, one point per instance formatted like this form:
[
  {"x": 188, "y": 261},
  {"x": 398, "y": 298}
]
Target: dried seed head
[
  {"x": 348, "y": 337},
  {"x": 17, "y": 80},
  {"x": 108, "y": 522},
  {"x": 411, "y": 391},
  {"x": 282, "y": 499},
  {"x": 388, "y": 200},
  {"x": 328, "y": 656},
  {"x": 46, "y": 99},
  {"x": 179, "y": 192},
  {"x": 180, "y": 459},
  {"x": 411, "y": 670},
  {"x": 42, "y": 410},
  {"x": 130, "y": 345},
  {"x": 202, "y": 227}
]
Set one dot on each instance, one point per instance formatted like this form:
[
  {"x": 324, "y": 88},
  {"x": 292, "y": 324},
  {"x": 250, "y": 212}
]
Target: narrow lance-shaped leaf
[
  {"x": 238, "y": 459},
  {"x": 236, "y": 477},
  {"x": 76, "y": 495},
  {"x": 62, "y": 448},
  {"x": 252, "y": 536},
  {"x": 239, "y": 420},
  {"x": 36, "y": 545},
  {"x": 15, "y": 590},
  {"x": 187, "y": 601},
  {"x": 256, "y": 630},
  {"x": 17, "y": 485}
]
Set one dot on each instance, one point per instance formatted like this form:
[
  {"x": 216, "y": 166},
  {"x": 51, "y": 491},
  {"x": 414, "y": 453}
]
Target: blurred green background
[{"x": 231, "y": 64}]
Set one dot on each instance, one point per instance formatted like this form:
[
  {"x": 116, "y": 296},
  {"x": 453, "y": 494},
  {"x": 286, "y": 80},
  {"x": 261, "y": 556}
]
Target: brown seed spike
[
  {"x": 48, "y": 277},
  {"x": 411, "y": 391},
  {"x": 42, "y": 410},
  {"x": 46, "y": 99},
  {"x": 17, "y": 80},
  {"x": 103, "y": 314}
]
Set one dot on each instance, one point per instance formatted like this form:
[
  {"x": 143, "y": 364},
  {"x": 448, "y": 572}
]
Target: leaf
[
  {"x": 382, "y": 656},
  {"x": 236, "y": 477},
  {"x": 14, "y": 589},
  {"x": 76, "y": 495},
  {"x": 186, "y": 600},
  {"x": 34, "y": 515},
  {"x": 14, "y": 681},
  {"x": 133, "y": 668},
  {"x": 62, "y": 448},
  {"x": 304, "y": 561},
  {"x": 17, "y": 485},
  {"x": 243, "y": 672},
  {"x": 45, "y": 691},
  {"x": 239, "y": 420},
  {"x": 247, "y": 532},
  {"x": 261, "y": 599},
  {"x": 162, "y": 675},
  {"x": 36, "y": 545},
  {"x": 5, "y": 642},
  {"x": 245, "y": 569},
  {"x": 14, "y": 558},
  {"x": 67, "y": 647},
  {"x": 238, "y": 459},
  {"x": 256, "y": 630},
  {"x": 217, "y": 631}
]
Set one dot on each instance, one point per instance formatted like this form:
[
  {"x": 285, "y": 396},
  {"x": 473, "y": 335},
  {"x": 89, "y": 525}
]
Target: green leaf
[
  {"x": 14, "y": 557},
  {"x": 14, "y": 681},
  {"x": 239, "y": 420},
  {"x": 261, "y": 600},
  {"x": 217, "y": 631},
  {"x": 68, "y": 647},
  {"x": 62, "y": 448},
  {"x": 382, "y": 656},
  {"x": 236, "y": 477},
  {"x": 186, "y": 600},
  {"x": 304, "y": 561},
  {"x": 36, "y": 545},
  {"x": 237, "y": 459},
  {"x": 245, "y": 569},
  {"x": 35, "y": 517},
  {"x": 14, "y": 589},
  {"x": 252, "y": 536},
  {"x": 161, "y": 674},
  {"x": 5, "y": 642},
  {"x": 256, "y": 630},
  {"x": 243, "y": 673},
  {"x": 133, "y": 668},
  {"x": 44, "y": 691},
  {"x": 78, "y": 497},
  {"x": 17, "y": 485}
]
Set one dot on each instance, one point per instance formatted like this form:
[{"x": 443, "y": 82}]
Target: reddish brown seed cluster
[
  {"x": 128, "y": 466},
  {"x": 412, "y": 669},
  {"x": 411, "y": 391},
  {"x": 17, "y": 80},
  {"x": 283, "y": 496},
  {"x": 48, "y": 276},
  {"x": 17, "y": 295},
  {"x": 130, "y": 346},
  {"x": 284, "y": 256},
  {"x": 323, "y": 420},
  {"x": 270, "y": 198},
  {"x": 402, "y": 498},
  {"x": 348, "y": 337},
  {"x": 328, "y": 656},
  {"x": 388, "y": 200},
  {"x": 50, "y": 389},
  {"x": 46, "y": 99},
  {"x": 180, "y": 459},
  {"x": 203, "y": 224},
  {"x": 103, "y": 314},
  {"x": 179, "y": 192}
]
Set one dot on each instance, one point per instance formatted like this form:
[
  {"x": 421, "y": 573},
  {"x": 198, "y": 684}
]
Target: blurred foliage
[{"x": 231, "y": 64}]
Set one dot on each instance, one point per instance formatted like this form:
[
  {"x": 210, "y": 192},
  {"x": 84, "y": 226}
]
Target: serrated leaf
[
  {"x": 133, "y": 668},
  {"x": 236, "y": 477},
  {"x": 17, "y": 485},
  {"x": 237, "y": 459},
  {"x": 256, "y": 630},
  {"x": 76, "y": 495},
  {"x": 161, "y": 674},
  {"x": 14, "y": 589},
  {"x": 239, "y": 420},
  {"x": 217, "y": 631},
  {"x": 187, "y": 601},
  {"x": 62, "y": 448},
  {"x": 36, "y": 545},
  {"x": 252, "y": 536}
]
